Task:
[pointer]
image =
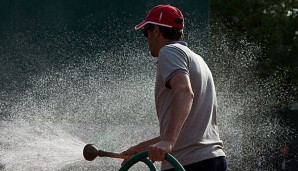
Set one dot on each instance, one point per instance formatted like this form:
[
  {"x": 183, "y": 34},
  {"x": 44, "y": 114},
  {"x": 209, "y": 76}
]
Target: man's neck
[{"x": 164, "y": 42}]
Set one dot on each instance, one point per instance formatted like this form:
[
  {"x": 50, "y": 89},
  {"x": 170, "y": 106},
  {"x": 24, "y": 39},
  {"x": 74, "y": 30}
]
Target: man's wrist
[{"x": 169, "y": 142}]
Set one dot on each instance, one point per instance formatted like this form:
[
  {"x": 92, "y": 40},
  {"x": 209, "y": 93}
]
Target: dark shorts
[{"x": 214, "y": 164}]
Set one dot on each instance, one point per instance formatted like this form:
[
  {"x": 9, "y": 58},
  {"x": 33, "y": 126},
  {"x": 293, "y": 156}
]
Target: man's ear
[{"x": 156, "y": 30}]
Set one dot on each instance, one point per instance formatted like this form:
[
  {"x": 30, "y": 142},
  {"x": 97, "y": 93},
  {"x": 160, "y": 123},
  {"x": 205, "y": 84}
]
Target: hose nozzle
[{"x": 90, "y": 152}]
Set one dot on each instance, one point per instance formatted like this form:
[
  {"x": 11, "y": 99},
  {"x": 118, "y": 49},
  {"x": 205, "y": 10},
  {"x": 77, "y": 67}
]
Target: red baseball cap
[{"x": 163, "y": 15}]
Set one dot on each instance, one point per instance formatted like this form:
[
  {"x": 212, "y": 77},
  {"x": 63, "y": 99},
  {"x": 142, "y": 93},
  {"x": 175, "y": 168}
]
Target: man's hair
[{"x": 171, "y": 33}]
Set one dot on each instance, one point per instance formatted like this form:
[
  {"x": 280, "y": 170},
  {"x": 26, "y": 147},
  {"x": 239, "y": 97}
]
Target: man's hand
[
  {"x": 158, "y": 151},
  {"x": 131, "y": 151},
  {"x": 139, "y": 148}
]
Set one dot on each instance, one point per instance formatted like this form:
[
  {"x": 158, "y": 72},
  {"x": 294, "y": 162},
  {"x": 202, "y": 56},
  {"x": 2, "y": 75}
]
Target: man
[
  {"x": 185, "y": 98},
  {"x": 285, "y": 161}
]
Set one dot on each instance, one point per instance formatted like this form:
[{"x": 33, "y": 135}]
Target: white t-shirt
[{"x": 199, "y": 138}]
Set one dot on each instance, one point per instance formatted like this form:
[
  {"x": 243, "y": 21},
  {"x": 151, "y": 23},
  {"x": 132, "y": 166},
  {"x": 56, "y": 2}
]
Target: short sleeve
[{"x": 172, "y": 60}]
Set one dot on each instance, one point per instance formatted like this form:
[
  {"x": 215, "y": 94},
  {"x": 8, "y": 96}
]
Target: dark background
[{"x": 37, "y": 35}]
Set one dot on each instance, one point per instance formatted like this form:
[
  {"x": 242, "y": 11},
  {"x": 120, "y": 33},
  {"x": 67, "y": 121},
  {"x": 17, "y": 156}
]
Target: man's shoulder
[
  {"x": 180, "y": 44},
  {"x": 175, "y": 48}
]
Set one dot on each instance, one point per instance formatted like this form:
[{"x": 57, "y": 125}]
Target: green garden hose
[{"x": 143, "y": 157}]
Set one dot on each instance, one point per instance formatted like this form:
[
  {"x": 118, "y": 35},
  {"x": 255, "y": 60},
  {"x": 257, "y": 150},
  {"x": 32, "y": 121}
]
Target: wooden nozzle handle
[{"x": 102, "y": 153}]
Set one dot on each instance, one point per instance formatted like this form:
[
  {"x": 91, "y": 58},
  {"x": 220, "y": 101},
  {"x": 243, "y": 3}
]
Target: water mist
[{"x": 104, "y": 95}]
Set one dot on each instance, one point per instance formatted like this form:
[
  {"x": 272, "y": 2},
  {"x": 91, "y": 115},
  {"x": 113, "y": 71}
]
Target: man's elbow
[
  {"x": 188, "y": 94},
  {"x": 191, "y": 95}
]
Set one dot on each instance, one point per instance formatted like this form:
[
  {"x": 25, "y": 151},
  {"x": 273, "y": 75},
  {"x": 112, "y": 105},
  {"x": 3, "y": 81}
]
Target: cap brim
[{"x": 142, "y": 24}]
